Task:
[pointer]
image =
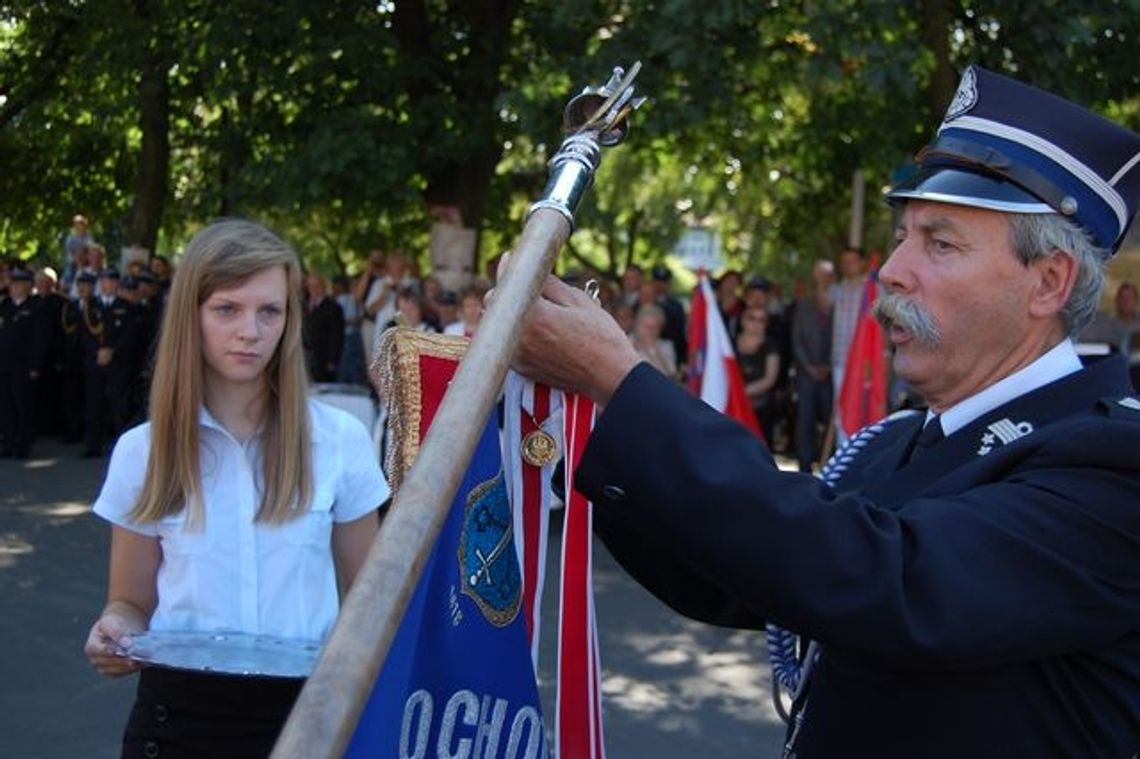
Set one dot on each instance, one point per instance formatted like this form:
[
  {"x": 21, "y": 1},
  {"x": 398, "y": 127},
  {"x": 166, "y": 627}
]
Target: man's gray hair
[{"x": 1038, "y": 235}]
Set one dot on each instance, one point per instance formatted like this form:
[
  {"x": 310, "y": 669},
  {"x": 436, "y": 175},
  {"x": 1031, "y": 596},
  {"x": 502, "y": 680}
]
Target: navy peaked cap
[
  {"x": 20, "y": 275},
  {"x": 87, "y": 277},
  {"x": 759, "y": 282},
  {"x": 109, "y": 273},
  {"x": 1006, "y": 146}
]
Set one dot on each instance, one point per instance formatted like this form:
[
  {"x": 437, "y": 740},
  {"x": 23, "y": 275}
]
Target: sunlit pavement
[{"x": 672, "y": 687}]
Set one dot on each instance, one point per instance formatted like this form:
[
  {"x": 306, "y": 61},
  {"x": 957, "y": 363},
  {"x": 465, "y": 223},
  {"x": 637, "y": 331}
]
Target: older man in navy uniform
[
  {"x": 22, "y": 359},
  {"x": 971, "y": 574}
]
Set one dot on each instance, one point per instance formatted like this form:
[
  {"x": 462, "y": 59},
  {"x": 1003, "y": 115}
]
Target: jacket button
[
  {"x": 614, "y": 492},
  {"x": 150, "y": 749},
  {"x": 161, "y": 713}
]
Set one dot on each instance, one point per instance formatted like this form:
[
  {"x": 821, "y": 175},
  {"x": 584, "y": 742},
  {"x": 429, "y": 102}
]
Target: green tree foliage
[{"x": 348, "y": 124}]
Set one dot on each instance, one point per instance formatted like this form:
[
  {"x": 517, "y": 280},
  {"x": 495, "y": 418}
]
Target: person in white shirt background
[
  {"x": 470, "y": 312},
  {"x": 242, "y": 505},
  {"x": 380, "y": 298},
  {"x": 646, "y": 338}
]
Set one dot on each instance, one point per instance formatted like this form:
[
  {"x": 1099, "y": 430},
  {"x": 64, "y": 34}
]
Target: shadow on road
[{"x": 671, "y": 687}]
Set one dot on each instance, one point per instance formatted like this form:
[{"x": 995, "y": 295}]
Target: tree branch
[{"x": 578, "y": 257}]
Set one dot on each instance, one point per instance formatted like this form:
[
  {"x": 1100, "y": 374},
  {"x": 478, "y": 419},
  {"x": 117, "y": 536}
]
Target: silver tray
[{"x": 233, "y": 653}]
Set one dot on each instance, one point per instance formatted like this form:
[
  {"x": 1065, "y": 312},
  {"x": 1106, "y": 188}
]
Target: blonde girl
[{"x": 241, "y": 506}]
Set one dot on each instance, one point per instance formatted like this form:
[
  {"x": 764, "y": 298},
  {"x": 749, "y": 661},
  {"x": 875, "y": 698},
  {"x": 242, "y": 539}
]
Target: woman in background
[
  {"x": 646, "y": 338},
  {"x": 759, "y": 359},
  {"x": 470, "y": 312},
  {"x": 411, "y": 312}
]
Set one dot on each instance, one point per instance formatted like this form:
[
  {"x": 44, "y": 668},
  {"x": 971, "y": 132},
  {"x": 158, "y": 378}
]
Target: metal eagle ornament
[{"x": 595, "y": 118}]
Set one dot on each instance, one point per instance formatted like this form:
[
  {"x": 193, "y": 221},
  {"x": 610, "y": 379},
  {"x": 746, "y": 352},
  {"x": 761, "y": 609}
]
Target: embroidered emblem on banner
[
  {"x": 965, "y": 98},
  {"x": 1001, "y": 432},
  {"x": 487, "y": 562}
]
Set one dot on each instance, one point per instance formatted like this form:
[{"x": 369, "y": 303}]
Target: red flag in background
[
  {"x": 714, "y": 375},
  {"x": 863, "y": 397}
]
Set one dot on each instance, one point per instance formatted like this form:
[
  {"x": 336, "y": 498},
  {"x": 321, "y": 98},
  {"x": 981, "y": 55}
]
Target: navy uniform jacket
[
  {"x": 23, "y": 336},
  {"x": 967, "y": 605},
  {"x": 148, "y": 319},
  {"x": 109, "y": 326},
  {"x": 324, "y": 339},
  {"x": 74, "y": 332},
  {"x": 674, "y": 330},
  {"x": 52, "y": 309}
]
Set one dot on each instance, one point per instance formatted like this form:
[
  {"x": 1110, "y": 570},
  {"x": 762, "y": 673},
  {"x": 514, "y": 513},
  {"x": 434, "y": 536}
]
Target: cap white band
[{"x": 1082, "y": 172}]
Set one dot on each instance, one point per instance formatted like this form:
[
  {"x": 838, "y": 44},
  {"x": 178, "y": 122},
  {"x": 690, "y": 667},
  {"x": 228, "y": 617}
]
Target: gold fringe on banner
[{"x": 396, "y": 375}]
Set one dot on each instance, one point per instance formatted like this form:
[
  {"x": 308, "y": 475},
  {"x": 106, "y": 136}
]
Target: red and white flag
[
  {"x": 714, "y": 374},
  {"x": 862, "y": 398}
]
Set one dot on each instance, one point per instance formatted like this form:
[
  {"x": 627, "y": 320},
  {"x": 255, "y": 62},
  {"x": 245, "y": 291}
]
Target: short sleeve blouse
[{"x": 236, "y": 574}]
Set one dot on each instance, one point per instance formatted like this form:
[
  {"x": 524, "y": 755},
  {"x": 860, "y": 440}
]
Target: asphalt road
[{"x": 671, "y": 687}]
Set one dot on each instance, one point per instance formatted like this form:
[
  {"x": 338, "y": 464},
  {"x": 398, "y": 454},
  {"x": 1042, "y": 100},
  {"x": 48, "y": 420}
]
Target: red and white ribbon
[
  {"x": 529, "y": 407},
  {"x": 578, "y": 731}
]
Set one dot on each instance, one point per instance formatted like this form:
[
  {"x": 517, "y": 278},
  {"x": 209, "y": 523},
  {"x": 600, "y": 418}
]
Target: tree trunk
[
  {"x": 154, "y": 155},
  {"x": 936, "y": 17},
  {"x": 463, "y": 182},
  {"x": 154, "y": 160}
]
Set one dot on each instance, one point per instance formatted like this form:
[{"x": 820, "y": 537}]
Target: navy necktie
[{"x": 927, "y": 437}]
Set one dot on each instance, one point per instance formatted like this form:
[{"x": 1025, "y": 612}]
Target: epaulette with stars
[{"x": 1127, "y": 407}]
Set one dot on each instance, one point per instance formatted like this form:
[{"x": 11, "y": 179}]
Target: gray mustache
[{"x": 895, "y": 310}]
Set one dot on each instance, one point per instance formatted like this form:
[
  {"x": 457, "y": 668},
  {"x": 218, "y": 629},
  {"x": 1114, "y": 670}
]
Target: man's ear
[{"x": 1056, "y": 276}]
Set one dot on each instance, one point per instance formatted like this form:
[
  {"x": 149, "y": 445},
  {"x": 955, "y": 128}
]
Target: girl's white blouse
[{"x": 235, "y": 574}]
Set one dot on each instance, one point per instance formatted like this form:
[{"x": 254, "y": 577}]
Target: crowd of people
[
  {"x": 964, "y": 572},
  {"x": 76, "y": 355},
  {"x": 78, "y": 346}
]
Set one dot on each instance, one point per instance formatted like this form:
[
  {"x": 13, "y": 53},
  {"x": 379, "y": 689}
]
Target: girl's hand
[{"x": 106, "y": 645}]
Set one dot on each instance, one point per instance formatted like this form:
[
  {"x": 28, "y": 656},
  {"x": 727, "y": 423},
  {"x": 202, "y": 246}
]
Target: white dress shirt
[
  {"x": 458, "y": 328},
  {"x": 235, "y": 574}
]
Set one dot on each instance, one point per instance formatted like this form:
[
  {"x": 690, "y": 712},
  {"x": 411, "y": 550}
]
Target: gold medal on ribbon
[{"x": 539, "y": 448}]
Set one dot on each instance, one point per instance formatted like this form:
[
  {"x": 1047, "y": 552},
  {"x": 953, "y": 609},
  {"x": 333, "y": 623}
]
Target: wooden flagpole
[{"x": 324, "y": 718}]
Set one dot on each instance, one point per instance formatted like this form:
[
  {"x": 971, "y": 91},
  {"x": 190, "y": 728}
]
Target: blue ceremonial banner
[{"x": 458, "y": 680}]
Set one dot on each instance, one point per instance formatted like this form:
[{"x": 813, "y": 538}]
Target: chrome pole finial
[
  {"x": 597, "y": 117},
  {"x": 605, "y": 109}
]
